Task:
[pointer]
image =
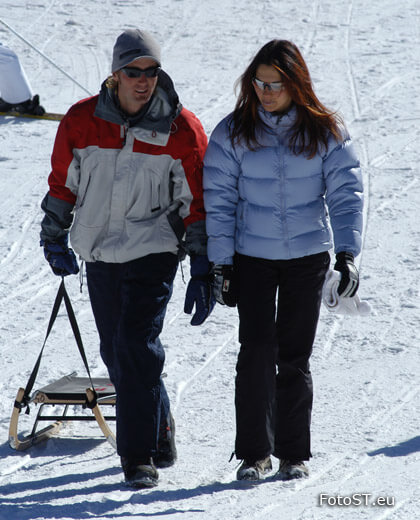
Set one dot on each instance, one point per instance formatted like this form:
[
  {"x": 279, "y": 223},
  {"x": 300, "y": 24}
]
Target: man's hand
[
  {"x": 199, "y": 290},
  {"x": 61, "y": 258}
]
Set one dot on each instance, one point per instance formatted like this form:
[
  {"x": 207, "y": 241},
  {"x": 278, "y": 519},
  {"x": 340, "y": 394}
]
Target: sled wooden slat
[
  {"x": 33, "y": 438},
  {"x": 103, "y": 425},
  {"x": 68, "y": 391}
]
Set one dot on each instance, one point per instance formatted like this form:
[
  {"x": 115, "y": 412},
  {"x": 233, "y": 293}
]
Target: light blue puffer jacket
[{"x": 273, "y": 204}]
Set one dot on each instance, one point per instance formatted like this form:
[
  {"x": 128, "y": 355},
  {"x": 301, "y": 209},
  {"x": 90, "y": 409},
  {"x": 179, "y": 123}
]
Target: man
[
  {"x": 15, "y": 90},
  {"x": 128, "y": 164}
]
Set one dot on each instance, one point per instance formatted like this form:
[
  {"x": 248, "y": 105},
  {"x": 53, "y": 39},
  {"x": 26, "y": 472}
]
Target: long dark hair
[{"x": 314, "y": 122}]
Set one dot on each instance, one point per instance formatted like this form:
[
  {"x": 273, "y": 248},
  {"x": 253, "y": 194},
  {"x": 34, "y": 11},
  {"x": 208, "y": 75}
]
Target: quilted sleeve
[
  {"x": 221, "y": 172},
  {"x": 344, "y": 196}
]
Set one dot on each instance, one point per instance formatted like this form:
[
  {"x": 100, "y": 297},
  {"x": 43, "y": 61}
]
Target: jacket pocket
[
  {"x": 155, "y": 204},
  {"x": 92, "y": 206},
  {"x": 146, "y": 196},
  {"x": 81, "y": 195}
]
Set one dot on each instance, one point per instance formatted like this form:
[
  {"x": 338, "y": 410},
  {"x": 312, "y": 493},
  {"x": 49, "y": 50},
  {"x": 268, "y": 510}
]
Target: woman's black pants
[{"x": 273, "y": 394}]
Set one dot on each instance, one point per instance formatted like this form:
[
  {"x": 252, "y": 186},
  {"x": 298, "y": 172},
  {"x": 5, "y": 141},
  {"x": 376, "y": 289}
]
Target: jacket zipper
[{"x": 123, "y": 135}]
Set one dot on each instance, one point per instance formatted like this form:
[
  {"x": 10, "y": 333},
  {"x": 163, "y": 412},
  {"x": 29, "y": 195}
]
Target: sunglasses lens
[
  {"x": 130, "y": 73},
  {"x": 134, "y": 72},
  {"x": 152, "y": 72},
  {"x": 275, "y": 85}
]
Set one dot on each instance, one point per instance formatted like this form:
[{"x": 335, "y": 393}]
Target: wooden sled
[
  {"x": 70, "y": 390},
  {"x": 67, "y": 391}
]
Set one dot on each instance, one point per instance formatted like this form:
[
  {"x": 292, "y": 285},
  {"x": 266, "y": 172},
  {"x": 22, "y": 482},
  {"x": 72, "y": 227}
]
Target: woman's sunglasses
[
  {"x": 134, "y": 72},
  {"x": 274, "y": 85}
]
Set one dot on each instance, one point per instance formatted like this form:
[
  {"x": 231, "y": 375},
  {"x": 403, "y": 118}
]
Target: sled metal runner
[{"x": 67, "y": 391}]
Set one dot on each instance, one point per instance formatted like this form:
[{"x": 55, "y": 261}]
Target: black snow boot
[
  {"x": 254, "y": 470},
  {"x": 31, "y": 106},
  {"x": 166, "y": 454},
  {"x": 5, "y": 106},
  {"x": 290, "y": 470},
  {"x": 139, "y": 473}
]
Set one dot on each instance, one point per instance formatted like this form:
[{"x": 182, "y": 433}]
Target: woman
[{"x": 277, "y": 171}]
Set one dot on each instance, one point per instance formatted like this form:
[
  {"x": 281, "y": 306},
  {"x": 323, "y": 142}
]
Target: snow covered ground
[{"x": 366, "y": 435}]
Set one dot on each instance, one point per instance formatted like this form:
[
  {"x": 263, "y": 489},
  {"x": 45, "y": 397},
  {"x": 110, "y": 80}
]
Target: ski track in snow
[{"x": 365, "y": 421}]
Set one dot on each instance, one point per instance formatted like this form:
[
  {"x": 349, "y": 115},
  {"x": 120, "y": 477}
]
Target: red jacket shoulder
[
  {"x": 189, "y": 125},
  {"x": 84, "y": 106}
]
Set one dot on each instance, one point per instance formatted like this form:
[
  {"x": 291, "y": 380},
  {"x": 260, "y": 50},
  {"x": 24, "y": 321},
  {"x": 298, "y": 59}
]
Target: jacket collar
[
  {"x": 153, "y": 123},
  {"x": 277, "y": 121}
]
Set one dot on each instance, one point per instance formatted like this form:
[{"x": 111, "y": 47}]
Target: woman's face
[{"x": 270, "y": 99}]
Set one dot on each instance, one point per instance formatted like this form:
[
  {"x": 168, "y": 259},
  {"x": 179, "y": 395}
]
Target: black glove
[
  {"x": 60, "y": 257},
  {"x": 349, "y": 275},
  {"x": 224, "y": 286},
  {"x": 199, "y": 290}
]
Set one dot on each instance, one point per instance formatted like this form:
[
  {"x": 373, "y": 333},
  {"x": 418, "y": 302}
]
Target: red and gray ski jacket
[{"x": 134, "y": 187}]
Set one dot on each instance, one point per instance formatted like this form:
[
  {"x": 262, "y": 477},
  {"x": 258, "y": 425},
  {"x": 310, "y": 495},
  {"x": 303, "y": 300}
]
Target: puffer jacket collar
[
  {"x": 277, "y": 122},
  {"x": 153, "y": 123}
]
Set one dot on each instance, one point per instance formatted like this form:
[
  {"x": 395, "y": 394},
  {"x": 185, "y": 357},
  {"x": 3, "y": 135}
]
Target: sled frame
[
  {"x": 54, "y": 394},
  {"x": 68, "y": 390}
]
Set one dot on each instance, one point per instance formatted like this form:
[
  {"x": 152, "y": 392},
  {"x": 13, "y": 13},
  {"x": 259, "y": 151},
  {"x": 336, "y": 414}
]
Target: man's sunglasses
[
  {"x": 134, "y": 72},
  {"x": 274, "y": 85}
]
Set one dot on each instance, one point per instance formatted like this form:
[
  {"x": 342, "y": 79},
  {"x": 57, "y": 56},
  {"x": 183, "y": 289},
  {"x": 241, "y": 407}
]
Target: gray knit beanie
[{"x": 133, "y": 44}]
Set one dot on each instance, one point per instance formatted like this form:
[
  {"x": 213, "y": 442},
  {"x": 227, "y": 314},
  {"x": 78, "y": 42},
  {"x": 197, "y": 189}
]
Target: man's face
[{"x": 135, "y": 92}]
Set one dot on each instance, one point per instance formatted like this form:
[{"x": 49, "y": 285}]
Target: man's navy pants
[{"x": 129, "y": 303}]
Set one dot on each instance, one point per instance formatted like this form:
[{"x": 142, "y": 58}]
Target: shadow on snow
[
  {"x": 35, "y": 496},
  {"x": 399, "y": 450}
]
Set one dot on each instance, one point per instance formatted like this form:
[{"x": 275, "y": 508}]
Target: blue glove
[
  {"x": 199, "y": 290},
  {"x": 61, "y": 258}
]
